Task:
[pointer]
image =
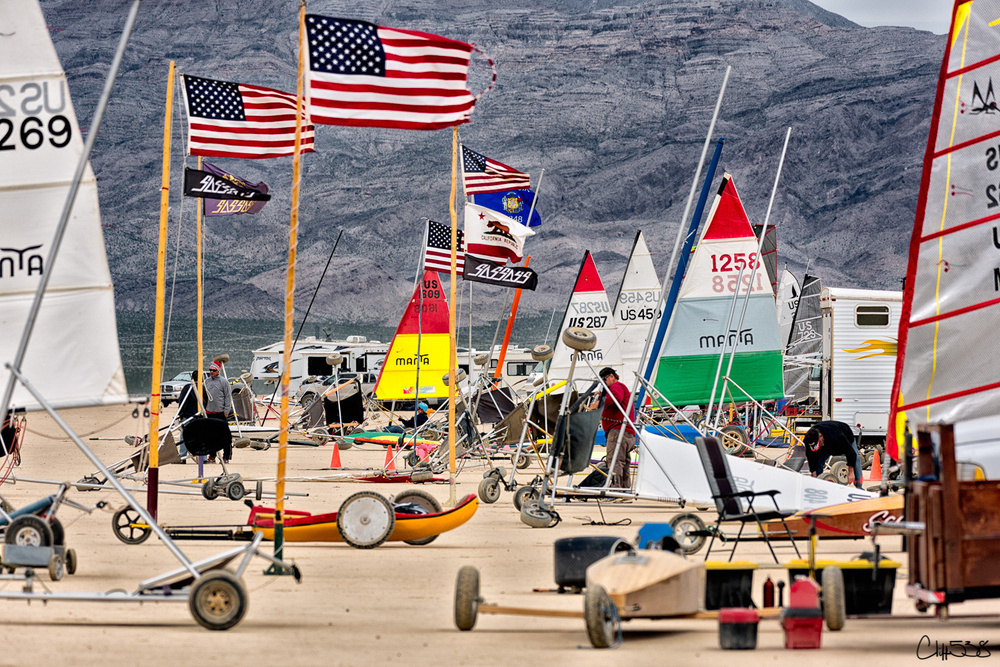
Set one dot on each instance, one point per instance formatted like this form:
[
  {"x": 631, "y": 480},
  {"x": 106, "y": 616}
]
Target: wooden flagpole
[
  {"x": 279, "y": 508},
  {"x": 154, "y": 390},
  {"x": 452, "y": 348}
]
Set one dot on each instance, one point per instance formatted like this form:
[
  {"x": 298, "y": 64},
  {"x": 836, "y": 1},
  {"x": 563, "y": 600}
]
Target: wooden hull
[
  {"x": 305, "y": 527},
  {"x": 851, "y": 520},
  {"x": 650, "y": 583}
]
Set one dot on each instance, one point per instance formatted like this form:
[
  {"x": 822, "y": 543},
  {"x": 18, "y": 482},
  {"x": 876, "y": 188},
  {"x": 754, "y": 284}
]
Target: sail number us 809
[{"x": 31, "y": 132}]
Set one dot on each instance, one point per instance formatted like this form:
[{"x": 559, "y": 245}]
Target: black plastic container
[{"x": 738, "y": 629}]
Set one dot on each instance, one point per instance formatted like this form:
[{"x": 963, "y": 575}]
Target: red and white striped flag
[
  {"x": 237, "y": 120},
  {"x": 481, "y": 175},
  {"x": 365, "y": 75},
  {"x": 437, "y": 254}
]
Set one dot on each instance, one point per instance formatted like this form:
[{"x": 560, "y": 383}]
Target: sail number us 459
[{"x": 35, "y": 101}]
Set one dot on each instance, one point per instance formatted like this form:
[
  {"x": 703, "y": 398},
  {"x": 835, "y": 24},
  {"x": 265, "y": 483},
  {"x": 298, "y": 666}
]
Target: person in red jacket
[{"x": 613, "y": 423}]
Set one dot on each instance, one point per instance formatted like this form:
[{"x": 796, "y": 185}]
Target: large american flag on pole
[
  {"x": 365, "y": 75},
  {"x": 437, "y": 255},
  {"x": 237, "y": 120},
  {"x": 480, "y": 175}
]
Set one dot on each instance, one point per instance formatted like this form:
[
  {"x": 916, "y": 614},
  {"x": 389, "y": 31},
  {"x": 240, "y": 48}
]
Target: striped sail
[
  {"x": 636, "y": 306},
  {"x": 72, "y": 357},
  {"x": 589, "y": 308},
  {"x": 946, "y": 368},
  {"x": 422, "y": 341},
  {"x": 697, "y": 335}
]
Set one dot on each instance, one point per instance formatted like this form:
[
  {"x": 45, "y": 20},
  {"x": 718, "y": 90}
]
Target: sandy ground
[{"x": 390, "y": 605}]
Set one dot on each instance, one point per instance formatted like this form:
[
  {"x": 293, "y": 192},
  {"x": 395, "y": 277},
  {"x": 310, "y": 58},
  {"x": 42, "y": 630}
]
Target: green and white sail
[
  {"x": 72, "y": 357},
  {"x": 636, "y": 306},
  {"x": 698, "y": 335}
]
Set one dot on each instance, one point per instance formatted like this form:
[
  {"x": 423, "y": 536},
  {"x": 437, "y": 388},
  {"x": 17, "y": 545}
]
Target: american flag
[
  {"x": 365, "y": 75},
  {"x": 236, "y": 120},
  {"x": 480, "y": 175},
  {"x": 437, "y": 255}
]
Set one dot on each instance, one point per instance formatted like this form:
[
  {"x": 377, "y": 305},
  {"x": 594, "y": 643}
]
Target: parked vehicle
[
  {"x": 309, "y": 391},
  {"x": 309, "y": 359},
  {"x": 170, "y": 391}
]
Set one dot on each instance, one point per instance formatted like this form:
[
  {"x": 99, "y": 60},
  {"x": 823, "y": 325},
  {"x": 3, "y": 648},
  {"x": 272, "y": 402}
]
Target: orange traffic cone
[
  {"x": 390, "y": 459},
  {"x": 335, "y": 460},
  {"x": 875, "y": 475}
]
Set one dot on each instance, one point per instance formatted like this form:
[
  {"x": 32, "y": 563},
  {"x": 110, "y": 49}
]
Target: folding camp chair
[{"x": 730, "y": 502}]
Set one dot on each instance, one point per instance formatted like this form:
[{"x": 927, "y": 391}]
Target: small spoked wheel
[
  {"x": 534, "y": 515},
  {"x": 365, "y": 520},
  {"x": 208, "y": 490},
  {"x": 29, "y": 530},
  {"x": 684, "y": 525},
  {"x": 129, "y": 527},
  {"x": 834, "y": 601},
  {"x": 523, "y": 495},
  {"x": 601, "y": 616},
  {"x": 841, "y": 473},
  {"x": 466, "y": 598},
  {"x": 218, "y": 600},
  {"x": 424, "y": 500},
  {"x": 489, "y": 490}
]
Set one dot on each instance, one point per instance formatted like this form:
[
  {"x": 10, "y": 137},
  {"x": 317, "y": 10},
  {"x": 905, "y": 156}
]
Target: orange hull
[{"x": 845, "y": 520}]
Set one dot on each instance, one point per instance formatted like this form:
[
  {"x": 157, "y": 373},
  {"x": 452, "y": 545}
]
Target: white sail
[
  {"x": 72, "y": 357},
  {"x": 636, "y": 306},
  {"x": 786, "y": 300},
  {"x": 588, "y": 307}
]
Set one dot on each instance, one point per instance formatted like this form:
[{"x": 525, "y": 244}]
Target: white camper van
[
  {"x": 860, "y": 330},
  {"x": 309, "y": 359}
]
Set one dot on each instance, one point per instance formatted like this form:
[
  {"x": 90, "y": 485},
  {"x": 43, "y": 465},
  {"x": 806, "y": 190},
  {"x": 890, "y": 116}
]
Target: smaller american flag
[
  {"x": 480, "y": 175},
  {"x": 437, "y": 256},
  {"x": 237, "y": 120}
]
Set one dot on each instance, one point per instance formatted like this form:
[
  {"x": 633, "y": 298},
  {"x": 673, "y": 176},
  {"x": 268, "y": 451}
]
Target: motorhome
[
  {"x": 860, "y": 329},
  {"x": 309, "y": 359}
]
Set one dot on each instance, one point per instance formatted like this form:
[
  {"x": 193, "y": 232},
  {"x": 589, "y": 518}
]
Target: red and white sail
[
  {"x": 589, "y": 308},
  {"x": 946, "y": 368}
]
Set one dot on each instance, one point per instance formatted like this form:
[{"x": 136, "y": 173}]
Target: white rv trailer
[
  {"x": 309, "y": 359},
  {"x": 860, "y": 330}
]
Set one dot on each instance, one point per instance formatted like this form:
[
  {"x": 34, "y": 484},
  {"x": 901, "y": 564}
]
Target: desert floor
[{"x": 392, "y": 604}]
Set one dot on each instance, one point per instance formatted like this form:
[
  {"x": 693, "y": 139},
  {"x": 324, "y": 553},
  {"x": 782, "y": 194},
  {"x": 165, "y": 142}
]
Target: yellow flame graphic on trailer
[{"x": 878, "y": 348}]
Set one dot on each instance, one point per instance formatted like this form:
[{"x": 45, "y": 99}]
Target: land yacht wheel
[
  {"x": 489, "y": 490},
  {"x": 466, "y": 598},
  {"x": 29, "y": 530},
  {"x": 601, "y": 616},
  {"x": 834, "y": 602},
  {"x": 129, "y": 527},
  {"x": 425, "y": 500},
  {"x": 684, "y": 525},
  {"x": 580, "y": 339},
  {"x": 218, "y": 600},
  {"x": 365, "y": 520}
]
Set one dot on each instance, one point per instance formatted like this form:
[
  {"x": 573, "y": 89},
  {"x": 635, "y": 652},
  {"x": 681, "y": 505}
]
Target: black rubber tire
[
  {"x": 828, "y": 477},
  {"x": 525, "y": 494},
  {"x": 489, "y": 490},
  {"x": 466, "y": 598},
  {"x": 218, "y": 600},
  {"x": 344, "y": 443},
  {"x": 122, "y": 526},
  {"x": 411, "y": 459},
  {"x": 208, "y": 490},
  {"x": 520, "y": 461},
  {"x": 684, "y": 524},
  {"x": 573, "y": 555},
  {"x": 533, "y": 515},
  {"x": 365, "y": 520},
  {"x": 580, "y": 339},
  {"x": 71, "y": 561},
  {"x": 236, "y": 491},
  {"x": 425, "y": 500},
  {"x": 734, "y": 439},
  {"x": 58, "y": 533},
  {"x": 307, "y": 399},
  {"x": 28, "y": 530},
  {"x": 834, "y": 601},
  {"x": 601, "y": 616},
  {"x": 258, "y": 491}
]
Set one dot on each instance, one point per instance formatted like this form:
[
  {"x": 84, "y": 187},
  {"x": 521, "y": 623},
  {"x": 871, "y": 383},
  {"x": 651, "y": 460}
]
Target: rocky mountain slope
[{"x": 611, "y": 99}]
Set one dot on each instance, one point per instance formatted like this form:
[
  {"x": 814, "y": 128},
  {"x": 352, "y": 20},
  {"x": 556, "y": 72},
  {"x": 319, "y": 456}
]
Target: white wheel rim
[{"x": 365, "y": 520}]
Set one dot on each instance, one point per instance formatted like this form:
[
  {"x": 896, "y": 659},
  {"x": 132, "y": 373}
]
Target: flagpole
[
  {"x": 420, "y": 322},
  {"x": 452, "y": 351},
  {"x": 279, "y": 522},
  {"x": 510, "y": 320},
  {"x": 534, "y": 199},
  {"x": 153, "y": 472},
  {"x": 199, "y": 278}
]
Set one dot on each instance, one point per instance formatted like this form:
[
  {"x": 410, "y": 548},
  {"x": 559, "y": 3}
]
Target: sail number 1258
[{"x": 735, "y": 262}]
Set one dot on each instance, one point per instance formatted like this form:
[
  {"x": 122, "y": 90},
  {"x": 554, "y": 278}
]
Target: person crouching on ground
[
  {"x": 614, "y": 423},
  {"x": 832, "y": 438},
  {"x": 419, "y": 419},
  {"x": 219, "y": 404}
]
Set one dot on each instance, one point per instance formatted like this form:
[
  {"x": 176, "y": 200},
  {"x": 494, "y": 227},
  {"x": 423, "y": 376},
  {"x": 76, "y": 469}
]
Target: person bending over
[{"x": 832, "y": 438}]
